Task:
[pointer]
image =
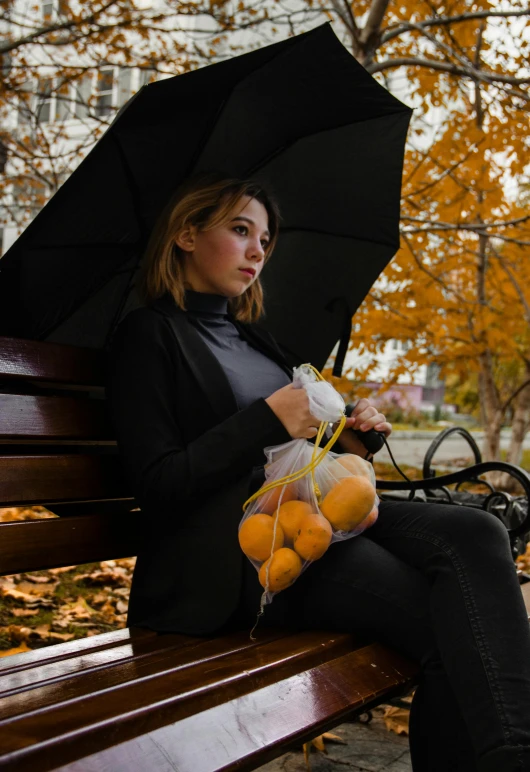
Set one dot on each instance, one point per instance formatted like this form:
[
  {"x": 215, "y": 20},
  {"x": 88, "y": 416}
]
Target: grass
[
  {"x": 429, "y": 426},
  {"x": 66, "y": 592},
  {"x": 525, "y": 460}
]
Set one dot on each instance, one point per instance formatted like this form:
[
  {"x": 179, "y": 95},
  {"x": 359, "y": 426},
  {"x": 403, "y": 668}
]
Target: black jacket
[{"x": 188, "y": 455}]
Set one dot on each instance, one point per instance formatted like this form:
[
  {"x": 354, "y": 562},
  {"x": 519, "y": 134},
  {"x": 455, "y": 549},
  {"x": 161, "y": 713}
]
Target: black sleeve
[
  {"x": 142, "y": 372},
  {"x": 291, "y": 363}
]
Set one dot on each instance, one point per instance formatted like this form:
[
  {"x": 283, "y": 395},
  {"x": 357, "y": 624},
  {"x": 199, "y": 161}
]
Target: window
[
  {"x": 24, "y": 104},
  {"x": 124, "y": 86},
  {"x": 5, "y": 63},
  {"x": 146, "y": 76},
  {"x": 83, "y": 89},
  {"x": 47, "y": 10},
  {"x": 63, "y": 100},
  {"x": 53, "y": 8},
  {"x": 105, "y": 84},
  {"x": 44, "y": 101}
]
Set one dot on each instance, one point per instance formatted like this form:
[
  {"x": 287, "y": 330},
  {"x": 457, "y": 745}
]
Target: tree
[
  {"x": 458, "y": 287},
  {"x": 68, "y": 65}
]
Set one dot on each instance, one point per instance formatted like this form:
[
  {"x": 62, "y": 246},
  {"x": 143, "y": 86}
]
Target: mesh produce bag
[{"x": 311, "y": 498}]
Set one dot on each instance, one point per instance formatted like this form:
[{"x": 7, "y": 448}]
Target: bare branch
[
  {"x": 10, "y": 45},
  {"x": 514, "y": 282},
  {"x": 387, "y": 306},
  {"x": 471, "y": 226},
  {"x": 514, "y": 395},
  {"x": 344, "y": 12},
  {"x": 446, "y": 172},
  {"x": 394, "y": 31},
  {"x": 452, "y": 69},
  {"x": 372, "y": 26}
]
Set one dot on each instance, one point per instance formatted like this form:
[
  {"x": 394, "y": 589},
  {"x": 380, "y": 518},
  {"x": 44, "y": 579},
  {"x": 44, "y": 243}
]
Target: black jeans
[{"x": 438, "y": 583}]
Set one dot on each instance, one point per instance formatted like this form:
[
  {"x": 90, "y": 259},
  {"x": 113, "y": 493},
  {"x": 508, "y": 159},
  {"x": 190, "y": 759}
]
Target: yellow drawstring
[{"x": 315, "y": 460}]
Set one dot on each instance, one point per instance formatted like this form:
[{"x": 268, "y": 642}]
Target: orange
[
  {"x": 255, "y": 536},
  {"x": 348, "y": 502},
  {"x": 314, "y": 537},
  {"x": 354, "y": 464},
  {"x": 284, "y": 567},
  {"x": 371, "y": 518},
  {"x": 291, "y": 515},
  {"x": 269, "y": 501}
]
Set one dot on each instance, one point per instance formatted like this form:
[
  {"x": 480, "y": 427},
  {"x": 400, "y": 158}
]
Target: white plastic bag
[{"x": 286, "y": 528}]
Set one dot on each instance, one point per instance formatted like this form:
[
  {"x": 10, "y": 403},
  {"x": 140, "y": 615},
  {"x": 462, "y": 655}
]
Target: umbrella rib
[
  {"x": 295, "y": 41},
  {"x": 406, "y": 111},
  {"x": 133, "y": 189},
  {"x": 86, "y": 245},
  {"x": 304, "y": 229}
]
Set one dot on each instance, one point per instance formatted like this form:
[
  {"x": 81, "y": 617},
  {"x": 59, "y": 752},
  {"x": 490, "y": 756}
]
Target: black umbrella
[{"x": 301, "y": 115}]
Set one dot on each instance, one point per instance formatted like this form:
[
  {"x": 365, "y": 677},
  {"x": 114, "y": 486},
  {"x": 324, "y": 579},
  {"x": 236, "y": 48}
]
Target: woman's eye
[{"x": 264, "y": 243}]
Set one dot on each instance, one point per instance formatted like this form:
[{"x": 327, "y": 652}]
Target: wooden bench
[{"x": 132, "y": 699}]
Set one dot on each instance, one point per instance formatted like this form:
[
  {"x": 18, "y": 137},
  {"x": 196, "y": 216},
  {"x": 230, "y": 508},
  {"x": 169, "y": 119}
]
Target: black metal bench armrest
[{"x": 470, "y": 473}]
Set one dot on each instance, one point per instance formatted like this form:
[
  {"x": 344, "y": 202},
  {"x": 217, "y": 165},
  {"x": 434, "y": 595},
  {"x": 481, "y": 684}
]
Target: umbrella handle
[{"x": 372, "y": 440}]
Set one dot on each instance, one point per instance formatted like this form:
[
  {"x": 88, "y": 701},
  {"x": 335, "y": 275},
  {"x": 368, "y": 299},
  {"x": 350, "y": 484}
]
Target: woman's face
[{"x": 227, "y": 259}]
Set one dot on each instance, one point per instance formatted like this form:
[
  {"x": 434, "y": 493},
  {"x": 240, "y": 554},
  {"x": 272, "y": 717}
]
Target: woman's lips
[{"x": 248, "y": 273}]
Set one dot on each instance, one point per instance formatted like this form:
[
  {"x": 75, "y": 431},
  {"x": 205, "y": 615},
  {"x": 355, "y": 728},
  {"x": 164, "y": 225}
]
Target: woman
[{"x": 195, "y": 392}]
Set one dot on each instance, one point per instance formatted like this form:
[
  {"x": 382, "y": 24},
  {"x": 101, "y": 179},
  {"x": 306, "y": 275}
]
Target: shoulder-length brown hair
[{"x": 204, "y": 200}]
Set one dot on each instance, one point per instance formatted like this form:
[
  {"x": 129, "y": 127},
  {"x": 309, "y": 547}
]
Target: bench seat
[{"x": 137, "y": 700}]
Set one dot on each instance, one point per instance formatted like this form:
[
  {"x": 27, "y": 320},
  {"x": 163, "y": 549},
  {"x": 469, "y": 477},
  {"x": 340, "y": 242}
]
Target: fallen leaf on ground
[
  {"x": 73, "y": 613},
  {"x": 31, "y": 599},
  {"x": 38, "y": 589},
  {"x": 24, "y": 513},
  {"x": 318, "y": 743},
  {"x": 23, "y": 612},
  {"x": 39, "y": 579},
  {"x": 18, "y": 650},
  {"x": 397, "y": 720}
]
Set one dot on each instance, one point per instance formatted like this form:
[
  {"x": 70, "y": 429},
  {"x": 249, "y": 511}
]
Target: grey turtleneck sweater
[{"x": 250, "y": 373}]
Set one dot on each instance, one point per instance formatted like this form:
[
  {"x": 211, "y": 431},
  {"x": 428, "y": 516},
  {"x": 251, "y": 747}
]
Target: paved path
[
  {"x": 370, "y": 748},
  {"x": 411, "y": 447}
]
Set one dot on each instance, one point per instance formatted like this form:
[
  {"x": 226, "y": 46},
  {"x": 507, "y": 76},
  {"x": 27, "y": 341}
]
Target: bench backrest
[{"x": 57, "y": 450}]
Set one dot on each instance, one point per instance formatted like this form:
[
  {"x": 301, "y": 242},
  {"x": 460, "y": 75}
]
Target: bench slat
[
  {"x": 54, "y": 362},
  {"x": 71, "y": 649},
  {"x": 39, "y": 417},
  {"x": 47, "y": 478},
  {"x": 33, "y": 545},
  {"x": 219, "y": 736},
  {"x": 221, "y": 667},
  {"x": 72, "y": 677}
]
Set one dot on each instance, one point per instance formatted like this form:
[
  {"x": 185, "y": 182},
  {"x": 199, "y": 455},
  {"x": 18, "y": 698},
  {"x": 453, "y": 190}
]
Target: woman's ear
[{"x": 185, "y": 239}]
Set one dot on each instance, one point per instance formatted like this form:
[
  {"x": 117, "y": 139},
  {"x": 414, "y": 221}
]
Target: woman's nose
[{"x": 256, "y": 251}]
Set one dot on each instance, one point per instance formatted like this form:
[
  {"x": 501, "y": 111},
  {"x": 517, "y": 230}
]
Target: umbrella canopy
[{"x": 302, "y": 116}]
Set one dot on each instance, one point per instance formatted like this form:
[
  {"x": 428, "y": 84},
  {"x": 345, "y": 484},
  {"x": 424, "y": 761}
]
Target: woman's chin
[{"x": 236, "y": 291}]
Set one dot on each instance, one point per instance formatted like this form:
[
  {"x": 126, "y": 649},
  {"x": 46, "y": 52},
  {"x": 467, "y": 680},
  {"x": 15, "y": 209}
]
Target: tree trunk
[
  {"x": 520, "y": 425},
  {"x": 491, "y": 410}
]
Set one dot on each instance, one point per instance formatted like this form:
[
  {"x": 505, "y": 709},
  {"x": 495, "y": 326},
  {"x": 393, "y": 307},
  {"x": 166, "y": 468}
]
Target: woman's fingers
[
  {"x": 367, "y": 417},
  {"x": 384, "y": 427}
]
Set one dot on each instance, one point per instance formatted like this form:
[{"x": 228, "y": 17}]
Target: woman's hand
[
  {"x": 291, "y": 406},
  {"x": 364, "y": 417}
]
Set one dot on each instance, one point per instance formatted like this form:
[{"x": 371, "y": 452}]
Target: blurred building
[{"x": 422, "y": 392}]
